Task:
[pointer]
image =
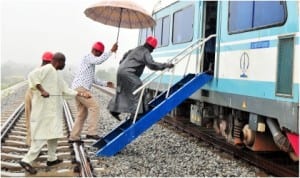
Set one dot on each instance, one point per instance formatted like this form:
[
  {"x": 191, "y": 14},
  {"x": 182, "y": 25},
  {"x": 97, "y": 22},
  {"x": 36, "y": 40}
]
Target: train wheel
[{"x": 258, "y": 141}]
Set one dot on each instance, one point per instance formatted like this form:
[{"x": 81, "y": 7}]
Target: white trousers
[{"x": 36, "y": 147}]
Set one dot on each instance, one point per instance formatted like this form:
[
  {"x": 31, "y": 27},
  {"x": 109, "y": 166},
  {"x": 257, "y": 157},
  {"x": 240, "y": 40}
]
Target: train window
[
  {"x": 251, "y": 15},
  {"x": 162, "y": 31},
  {"x": 183, "y": 25},
  {"x": 144, "y": 33},
  {"x": 284, "y": 84}
]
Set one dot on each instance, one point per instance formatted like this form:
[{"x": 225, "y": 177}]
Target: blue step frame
[{"x": 126, "y": 132}]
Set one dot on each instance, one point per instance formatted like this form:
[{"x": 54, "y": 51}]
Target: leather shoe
[
  {"x": 115, "y": 115},
  {"x": 95, "y": 137},
  {"x": 52, "y": 163},
  {"x": 28, "y": 167},
  {"x": 75, "y": 141}
]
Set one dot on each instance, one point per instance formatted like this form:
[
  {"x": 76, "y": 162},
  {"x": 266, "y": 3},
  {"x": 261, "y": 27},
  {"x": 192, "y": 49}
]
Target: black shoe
[
  {"x": 95, "y": 137},
  {"x": 52, "y": 163},
  {"x": 115, "y": 115},
  {"x": 75, "y": 141},
  {"x": 28, "y": 167}
]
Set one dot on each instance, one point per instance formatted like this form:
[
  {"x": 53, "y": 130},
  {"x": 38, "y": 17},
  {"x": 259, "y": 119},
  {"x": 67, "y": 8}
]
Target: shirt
[{"x": 85, "y": 77}]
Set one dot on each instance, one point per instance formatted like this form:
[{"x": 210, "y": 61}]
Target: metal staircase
[{"x": 162, "y": 104}]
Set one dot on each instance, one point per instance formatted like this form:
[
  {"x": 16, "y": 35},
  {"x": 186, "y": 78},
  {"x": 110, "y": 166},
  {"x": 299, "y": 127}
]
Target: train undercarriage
[
  {"x": 256, "y": 132},
  {"x": 240, "y": 128}
]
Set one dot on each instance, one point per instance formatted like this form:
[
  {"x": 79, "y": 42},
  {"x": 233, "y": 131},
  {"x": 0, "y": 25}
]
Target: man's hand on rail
[{"x": 169, "y": 65}]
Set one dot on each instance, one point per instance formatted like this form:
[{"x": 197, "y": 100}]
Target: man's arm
[
  {"x": 44, "y": 93},
  {"x": 99, "y": 60},
  {"x": 156, "y": 65},
  {"x": 104, "y": 56}
]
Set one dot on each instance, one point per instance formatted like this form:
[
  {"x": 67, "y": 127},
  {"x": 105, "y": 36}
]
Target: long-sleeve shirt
[
  {"x": 85, "y": 77},
  {"x": 137, "y": 59}
]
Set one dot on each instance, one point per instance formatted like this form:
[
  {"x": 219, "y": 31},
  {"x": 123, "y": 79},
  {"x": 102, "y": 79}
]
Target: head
[
  {"x": 58, "y": 61},
  {"x": 151, "y": 43},
  {"x": 98, "y": 49},
  {"x": 47, "y": 58}
]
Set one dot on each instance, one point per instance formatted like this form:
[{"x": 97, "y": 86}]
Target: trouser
[
  {"x": 87, "y": 109},
  {"x": 28, "y": 97},
  {"x": 36, "y": 147}
]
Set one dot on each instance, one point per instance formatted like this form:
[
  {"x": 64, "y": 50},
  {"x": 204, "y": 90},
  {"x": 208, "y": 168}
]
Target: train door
[{"x": 209, "y": 28}]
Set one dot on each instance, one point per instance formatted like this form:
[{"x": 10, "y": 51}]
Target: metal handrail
[
  {"x": 170, "y": 60},
  {"x": 198, "y": 43},
  {"x": 175, "y": 60}
]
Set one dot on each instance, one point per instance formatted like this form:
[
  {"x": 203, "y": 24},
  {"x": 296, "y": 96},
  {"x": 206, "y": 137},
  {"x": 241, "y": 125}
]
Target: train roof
[{"x": 160, "y": 4}]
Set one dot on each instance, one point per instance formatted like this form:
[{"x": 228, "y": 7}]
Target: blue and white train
[{"x": 254, "y": 58}]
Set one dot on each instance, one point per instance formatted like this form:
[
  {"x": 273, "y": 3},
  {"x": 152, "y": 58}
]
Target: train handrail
[
  {"x": 149, "y": 75},
  {"x": 175, "y": 60},
  {"x": 198, "y": 43}
]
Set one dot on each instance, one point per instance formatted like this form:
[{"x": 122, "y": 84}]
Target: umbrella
[{"x": 120, "y": 13}]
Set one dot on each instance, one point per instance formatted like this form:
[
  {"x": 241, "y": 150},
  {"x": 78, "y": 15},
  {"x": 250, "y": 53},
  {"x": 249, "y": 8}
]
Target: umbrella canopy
[{"x": 120, "y": 13}]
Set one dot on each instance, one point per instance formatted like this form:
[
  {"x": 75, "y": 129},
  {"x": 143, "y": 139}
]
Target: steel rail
[
  {"x": 109, "y": 91},
  {"x": 80, "y": 156},
  {"x": 11, "y": 121},
  {"x": 269, "y": 165}
]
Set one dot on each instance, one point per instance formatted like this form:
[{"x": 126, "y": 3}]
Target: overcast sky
[{"x": 30, "y": 27}]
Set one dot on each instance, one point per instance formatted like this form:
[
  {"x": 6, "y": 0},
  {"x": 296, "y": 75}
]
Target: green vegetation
[
  {"x": 13, "y": 73},
  {"x": 10, "y": 81}
]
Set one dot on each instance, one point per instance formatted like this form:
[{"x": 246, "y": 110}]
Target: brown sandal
[{"x": 28, "y": 167}]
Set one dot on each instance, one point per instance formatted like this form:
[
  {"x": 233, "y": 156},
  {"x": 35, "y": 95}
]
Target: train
[{"x": 252, "y": 50}]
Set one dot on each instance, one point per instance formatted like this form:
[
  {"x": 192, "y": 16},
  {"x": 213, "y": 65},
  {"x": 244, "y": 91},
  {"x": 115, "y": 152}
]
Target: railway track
[
  {"x": 13, "y": 148},
  {"x": 10, "y": 99},
  {"x": 273, "y": 163},
  {"x": 79, "y": 160}
]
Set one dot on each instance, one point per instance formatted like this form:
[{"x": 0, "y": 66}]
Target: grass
[{"x": 7, "y": 82}]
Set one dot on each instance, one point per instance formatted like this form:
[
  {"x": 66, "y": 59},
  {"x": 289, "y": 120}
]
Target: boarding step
[{"x": 127, "y": 131}]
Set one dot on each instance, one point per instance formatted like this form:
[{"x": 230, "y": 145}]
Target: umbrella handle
[
  {"x": 121, "y": 11},
  {"x": 118, "y": 34}
]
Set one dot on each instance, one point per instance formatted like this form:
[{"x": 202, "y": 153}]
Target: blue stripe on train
[
  {"x": 230, "y": 47},
  {"x": 258, "y": 89}
]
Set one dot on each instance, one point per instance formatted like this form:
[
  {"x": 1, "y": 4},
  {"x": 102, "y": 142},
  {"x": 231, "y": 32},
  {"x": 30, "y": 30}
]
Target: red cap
[
  {"x": 152, "y": 41},
  {"x": 98, "y": 46},
  {"x": 47, "y": 56}
]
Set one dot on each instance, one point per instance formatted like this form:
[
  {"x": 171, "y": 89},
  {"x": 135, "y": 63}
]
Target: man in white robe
[
  {"x": 46, "y": 120},
  {"x": 46, "y": 59}
]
